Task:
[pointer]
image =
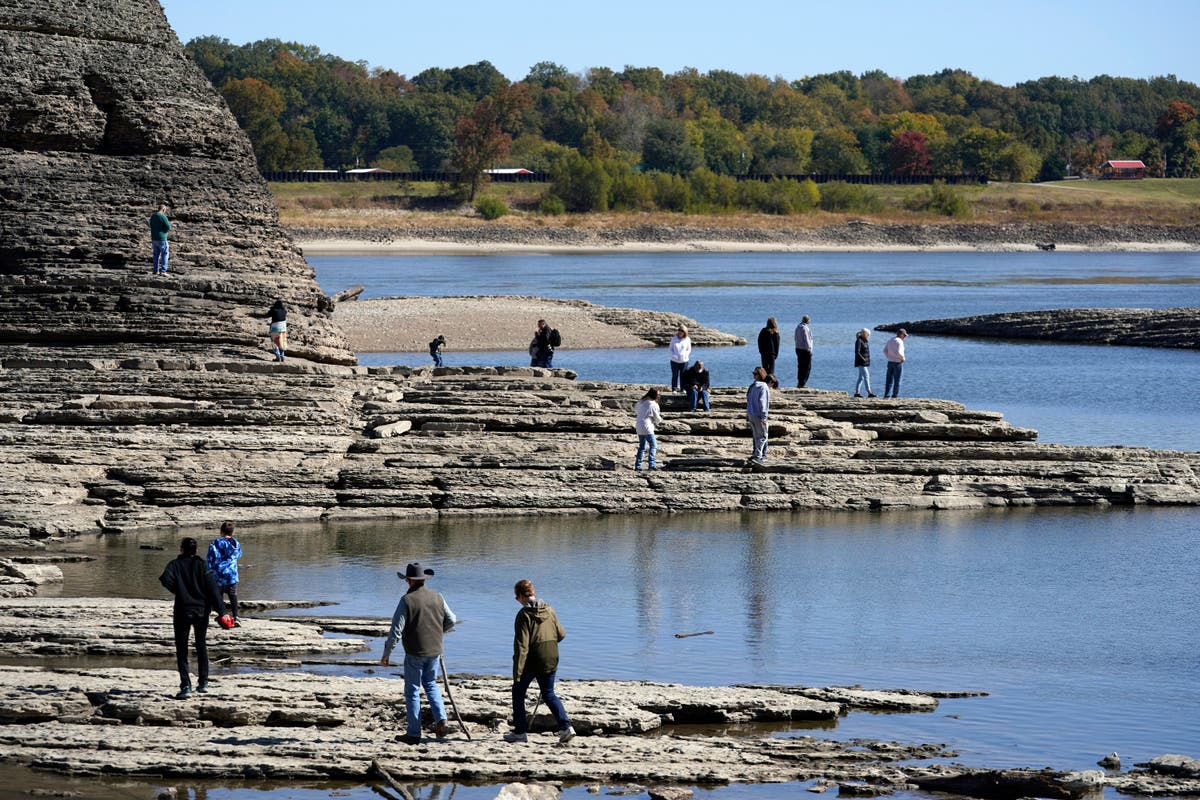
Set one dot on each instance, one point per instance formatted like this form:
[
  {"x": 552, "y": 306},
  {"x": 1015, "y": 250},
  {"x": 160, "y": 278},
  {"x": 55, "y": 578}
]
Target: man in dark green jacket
[
  {"x": 160, "y": 226},
  {"x": 536, "y": 634}
]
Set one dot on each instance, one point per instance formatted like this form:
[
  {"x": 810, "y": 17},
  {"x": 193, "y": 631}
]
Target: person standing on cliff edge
[
  {"x": 160, "y": 226},
  {"x": 421, "y": 618},
  {"x": 804, "y": 352},
  {"x": 196, "y": 595}
]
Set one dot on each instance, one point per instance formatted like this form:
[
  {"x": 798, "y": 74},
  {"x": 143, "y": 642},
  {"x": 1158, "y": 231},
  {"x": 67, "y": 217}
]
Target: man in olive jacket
[
  {"x": 536, "y": 634},
  {"x": 421, "y": 618}
]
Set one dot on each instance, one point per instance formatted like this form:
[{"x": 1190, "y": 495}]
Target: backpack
[{"x": 555, "y": 338}]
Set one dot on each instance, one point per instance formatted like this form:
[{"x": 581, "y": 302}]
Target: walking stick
[{"x": 450, "y": 697}]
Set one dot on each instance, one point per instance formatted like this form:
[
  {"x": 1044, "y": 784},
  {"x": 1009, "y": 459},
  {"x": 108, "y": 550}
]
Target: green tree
[
  {"x": 668, "y": 148},
  {"x": 836, "y": 151},
  {"x": 582, "y": 183}
]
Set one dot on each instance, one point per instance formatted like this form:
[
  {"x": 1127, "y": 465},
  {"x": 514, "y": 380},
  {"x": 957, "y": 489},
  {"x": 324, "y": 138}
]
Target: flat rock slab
[{"x": 1134, "y": 327}]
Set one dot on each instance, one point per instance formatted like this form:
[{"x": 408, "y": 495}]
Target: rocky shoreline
[
  {"x": 1129, "y": 327},
  {"x": 852, "y": 235}
]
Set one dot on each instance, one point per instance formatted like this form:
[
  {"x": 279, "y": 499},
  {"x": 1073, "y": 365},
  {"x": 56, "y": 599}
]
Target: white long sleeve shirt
[
  {"x": 681, "y": 349},
  {"x": 648, "y": 416},
  {"x": 894, "y": 350}
]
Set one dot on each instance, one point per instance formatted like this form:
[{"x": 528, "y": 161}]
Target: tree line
[{"x": 304, "y": 109}]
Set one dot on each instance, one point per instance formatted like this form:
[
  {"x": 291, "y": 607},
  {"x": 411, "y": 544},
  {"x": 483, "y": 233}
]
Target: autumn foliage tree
[
  {"x": 909, "y": 154},
  {"x": 482, "y": 137},
  {"x": 1179, "y": 131}
]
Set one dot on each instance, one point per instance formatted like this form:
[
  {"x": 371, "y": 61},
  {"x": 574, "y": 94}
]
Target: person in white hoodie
[
  {"x": 648, "y": 417},
  {"x": 681, "y": 352}
]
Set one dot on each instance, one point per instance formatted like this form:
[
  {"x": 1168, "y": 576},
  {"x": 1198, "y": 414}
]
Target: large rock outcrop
[
  {"x": 103, "y": 116},
  {"x": 1135, "y": 327}
]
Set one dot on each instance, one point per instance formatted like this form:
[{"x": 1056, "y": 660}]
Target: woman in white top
[
  {"x": 681, "y": 353},
  {"x": 648, "y": 416}
]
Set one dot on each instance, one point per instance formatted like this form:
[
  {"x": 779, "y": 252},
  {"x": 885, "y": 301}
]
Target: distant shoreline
[{"x": 855, "y": 236}]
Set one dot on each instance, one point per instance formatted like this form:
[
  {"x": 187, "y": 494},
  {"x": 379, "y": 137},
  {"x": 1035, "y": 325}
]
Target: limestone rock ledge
[
  {"x": 90, "y": 443},
  {"x": 1134, "y": 327}
]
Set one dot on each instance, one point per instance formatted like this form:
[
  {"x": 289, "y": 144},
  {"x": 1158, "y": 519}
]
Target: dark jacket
[
  {"x": 862, "y": 352},
  {"x": 541, "y": 341},
  {"x": 695, "y": 377},
  {"x": 277, "y": 314},
  {"x": 536, "y": 634},
  {"x": 768, "y": 342},
  {"x": 195, "y": 590}
]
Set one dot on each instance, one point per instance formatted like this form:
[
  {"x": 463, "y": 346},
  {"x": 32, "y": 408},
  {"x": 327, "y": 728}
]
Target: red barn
[{"x": 1124, "y": 170}]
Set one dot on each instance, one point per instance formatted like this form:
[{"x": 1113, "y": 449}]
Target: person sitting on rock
[
  {"x": 196, "y": 595},
  {"x": 536, "y": 634},
  {"x": 696, "y": 382},
  {"x": 278, "y": 329},
  {"x": 435, "y": 349},
  {"x": 222, "y": 559}
]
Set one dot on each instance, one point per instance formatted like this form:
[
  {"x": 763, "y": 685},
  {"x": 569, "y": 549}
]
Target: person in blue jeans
[
  {"x": 649, "y": 417},
  {"x": 160, "y": 226},
  {"x": 893, "y": 351},
  {"x": 435, "y": 349},
  {"x": 421, "y": 618},
  {"x": 536, "y": 634},
  {"x": 696, "y": 384}
]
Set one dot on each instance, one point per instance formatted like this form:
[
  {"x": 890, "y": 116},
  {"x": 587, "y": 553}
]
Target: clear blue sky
[{"x": 1006, "y": 42}]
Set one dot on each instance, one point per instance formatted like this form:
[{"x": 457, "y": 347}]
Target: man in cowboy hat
[{"x": 421, "y": 618}]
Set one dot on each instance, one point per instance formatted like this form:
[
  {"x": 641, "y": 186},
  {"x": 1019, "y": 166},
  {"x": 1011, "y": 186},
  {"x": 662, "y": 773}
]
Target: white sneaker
[
  {"x": 513, "y": 736},
  {"x": 566, "y": 735}
]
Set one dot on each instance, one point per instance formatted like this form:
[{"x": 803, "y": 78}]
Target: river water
[{"x": 1081, "y": 624}]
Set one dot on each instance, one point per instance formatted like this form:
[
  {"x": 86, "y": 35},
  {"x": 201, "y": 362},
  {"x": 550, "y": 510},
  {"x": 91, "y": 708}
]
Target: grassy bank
[{"x": 388, "y": 204}]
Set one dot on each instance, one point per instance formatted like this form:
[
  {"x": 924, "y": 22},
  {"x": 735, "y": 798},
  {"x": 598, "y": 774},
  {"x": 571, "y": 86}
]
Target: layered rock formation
[
  {"x": 1136, "y": 327},
  {"x": 103, "y": 116}
]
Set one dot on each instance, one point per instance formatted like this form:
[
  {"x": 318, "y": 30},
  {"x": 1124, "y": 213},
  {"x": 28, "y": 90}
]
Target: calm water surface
[{"x": 1075, "y": 394}]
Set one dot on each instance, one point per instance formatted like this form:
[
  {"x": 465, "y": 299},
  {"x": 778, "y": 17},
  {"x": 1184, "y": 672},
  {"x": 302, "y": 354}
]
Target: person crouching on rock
[
  {"x": 536, "y": 634},
  {"x": 421, "y": 618},
  {"x": 196, "y": 595},
  {"x": 435, "y": 349},
  {"x": 278, "y": 329},
  {"x": 222, "y": 559}
]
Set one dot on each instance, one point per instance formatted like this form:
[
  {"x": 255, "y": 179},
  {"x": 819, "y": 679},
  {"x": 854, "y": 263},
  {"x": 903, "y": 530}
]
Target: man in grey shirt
[
  {"x": 804, "y": 347},
  {"x": 421, "y": 618}
]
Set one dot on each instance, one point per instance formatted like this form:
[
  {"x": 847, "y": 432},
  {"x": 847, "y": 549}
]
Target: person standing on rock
[
  {"x": 758, "y": 402},
  {"x": 680, "y": 351},
  {"x": 804, "y": 352},
  {"x": 695, "y": 382},
  {"x": 278, "y": 329},
  {"x": 222, "y": 557},
  {"x": 196, "y": 595},
  {"x": 160, "y": 226},
  {"x": 435, "y": 349},
  {"x": 542, "y": 346},
  {"x": 768, "y": 345},
  {"x": 893, "y": 351},
  {"x": 536, "y": 634},
  {"x": 862, "y": 361},
  {"x": 421, "y": 618},
  {"x": 648, "y": 418}
]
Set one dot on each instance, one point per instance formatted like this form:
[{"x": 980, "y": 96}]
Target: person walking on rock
[
  {"x": 543, "y": 344},
  {"x": 196, "y": 595},
  {"x": 804, "y": 352},
  {"x": 695, "y": 382},
  {"x": 160, "y": 226},
  {"x": 649, "y": 417},
  {"x": 893, "y": 351},
  {"x": 862, "y": 361},
  {"x": 758, "y": 402},
  {"x": 435, "y": 349},
  {"x": 768, "y": 345},
  {"x": 222, "y": 560},
  {"x": 278, "y": 329},
  {"x": 536, "y": 634},
  {"x": 680, "y": 351},
  {"x": 421, "y": 618}
]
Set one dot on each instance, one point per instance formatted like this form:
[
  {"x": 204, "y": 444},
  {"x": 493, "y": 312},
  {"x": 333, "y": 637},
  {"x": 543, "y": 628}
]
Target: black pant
[
  {"x": 231, "y": 592},
  {"x": 768, "y": 362},
  {"x": 803, "y": 366},
  {"x": 200, "y": 626}
]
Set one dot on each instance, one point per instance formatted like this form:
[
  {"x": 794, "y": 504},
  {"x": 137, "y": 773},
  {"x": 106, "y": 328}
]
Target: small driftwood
[
  {"x": 689, "y": 635},
  {"x": 383, "y": 773}
]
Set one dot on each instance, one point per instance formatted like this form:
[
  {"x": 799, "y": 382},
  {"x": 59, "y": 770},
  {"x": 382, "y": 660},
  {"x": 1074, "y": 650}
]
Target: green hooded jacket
[{"x": 536, "y": 634}]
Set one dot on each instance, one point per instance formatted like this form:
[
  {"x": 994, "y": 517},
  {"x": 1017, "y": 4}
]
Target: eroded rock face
[
  {"x": 103, "y": 116},
  {"x": 1135, "y": 327}
]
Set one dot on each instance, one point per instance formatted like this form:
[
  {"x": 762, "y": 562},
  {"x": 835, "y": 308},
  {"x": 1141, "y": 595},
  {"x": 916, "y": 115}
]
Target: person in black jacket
[
  {"x": 278, "y": 329},
  {"x": 695, "y": 382},
  {"x": 196, "y": 595},
  {"x": 862, "y": 360},
  {"x": 768, "y": 345}
]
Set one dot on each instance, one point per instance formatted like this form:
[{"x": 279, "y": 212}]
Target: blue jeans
[
  {"x": 864, "y": 377},
  {"x": 437, "y": 359},
  {"x": 546, "y": 686},
  {"x": 645, "y": 442},
  {"x": 891, "y": 382},
  {"x": 544, "y": 358},
  {"x": 162, "y": 252},
  {"x": 421, "y": 672},
  {"x": 694, "y": 395},
  {"x": 677, "y": 368}
]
